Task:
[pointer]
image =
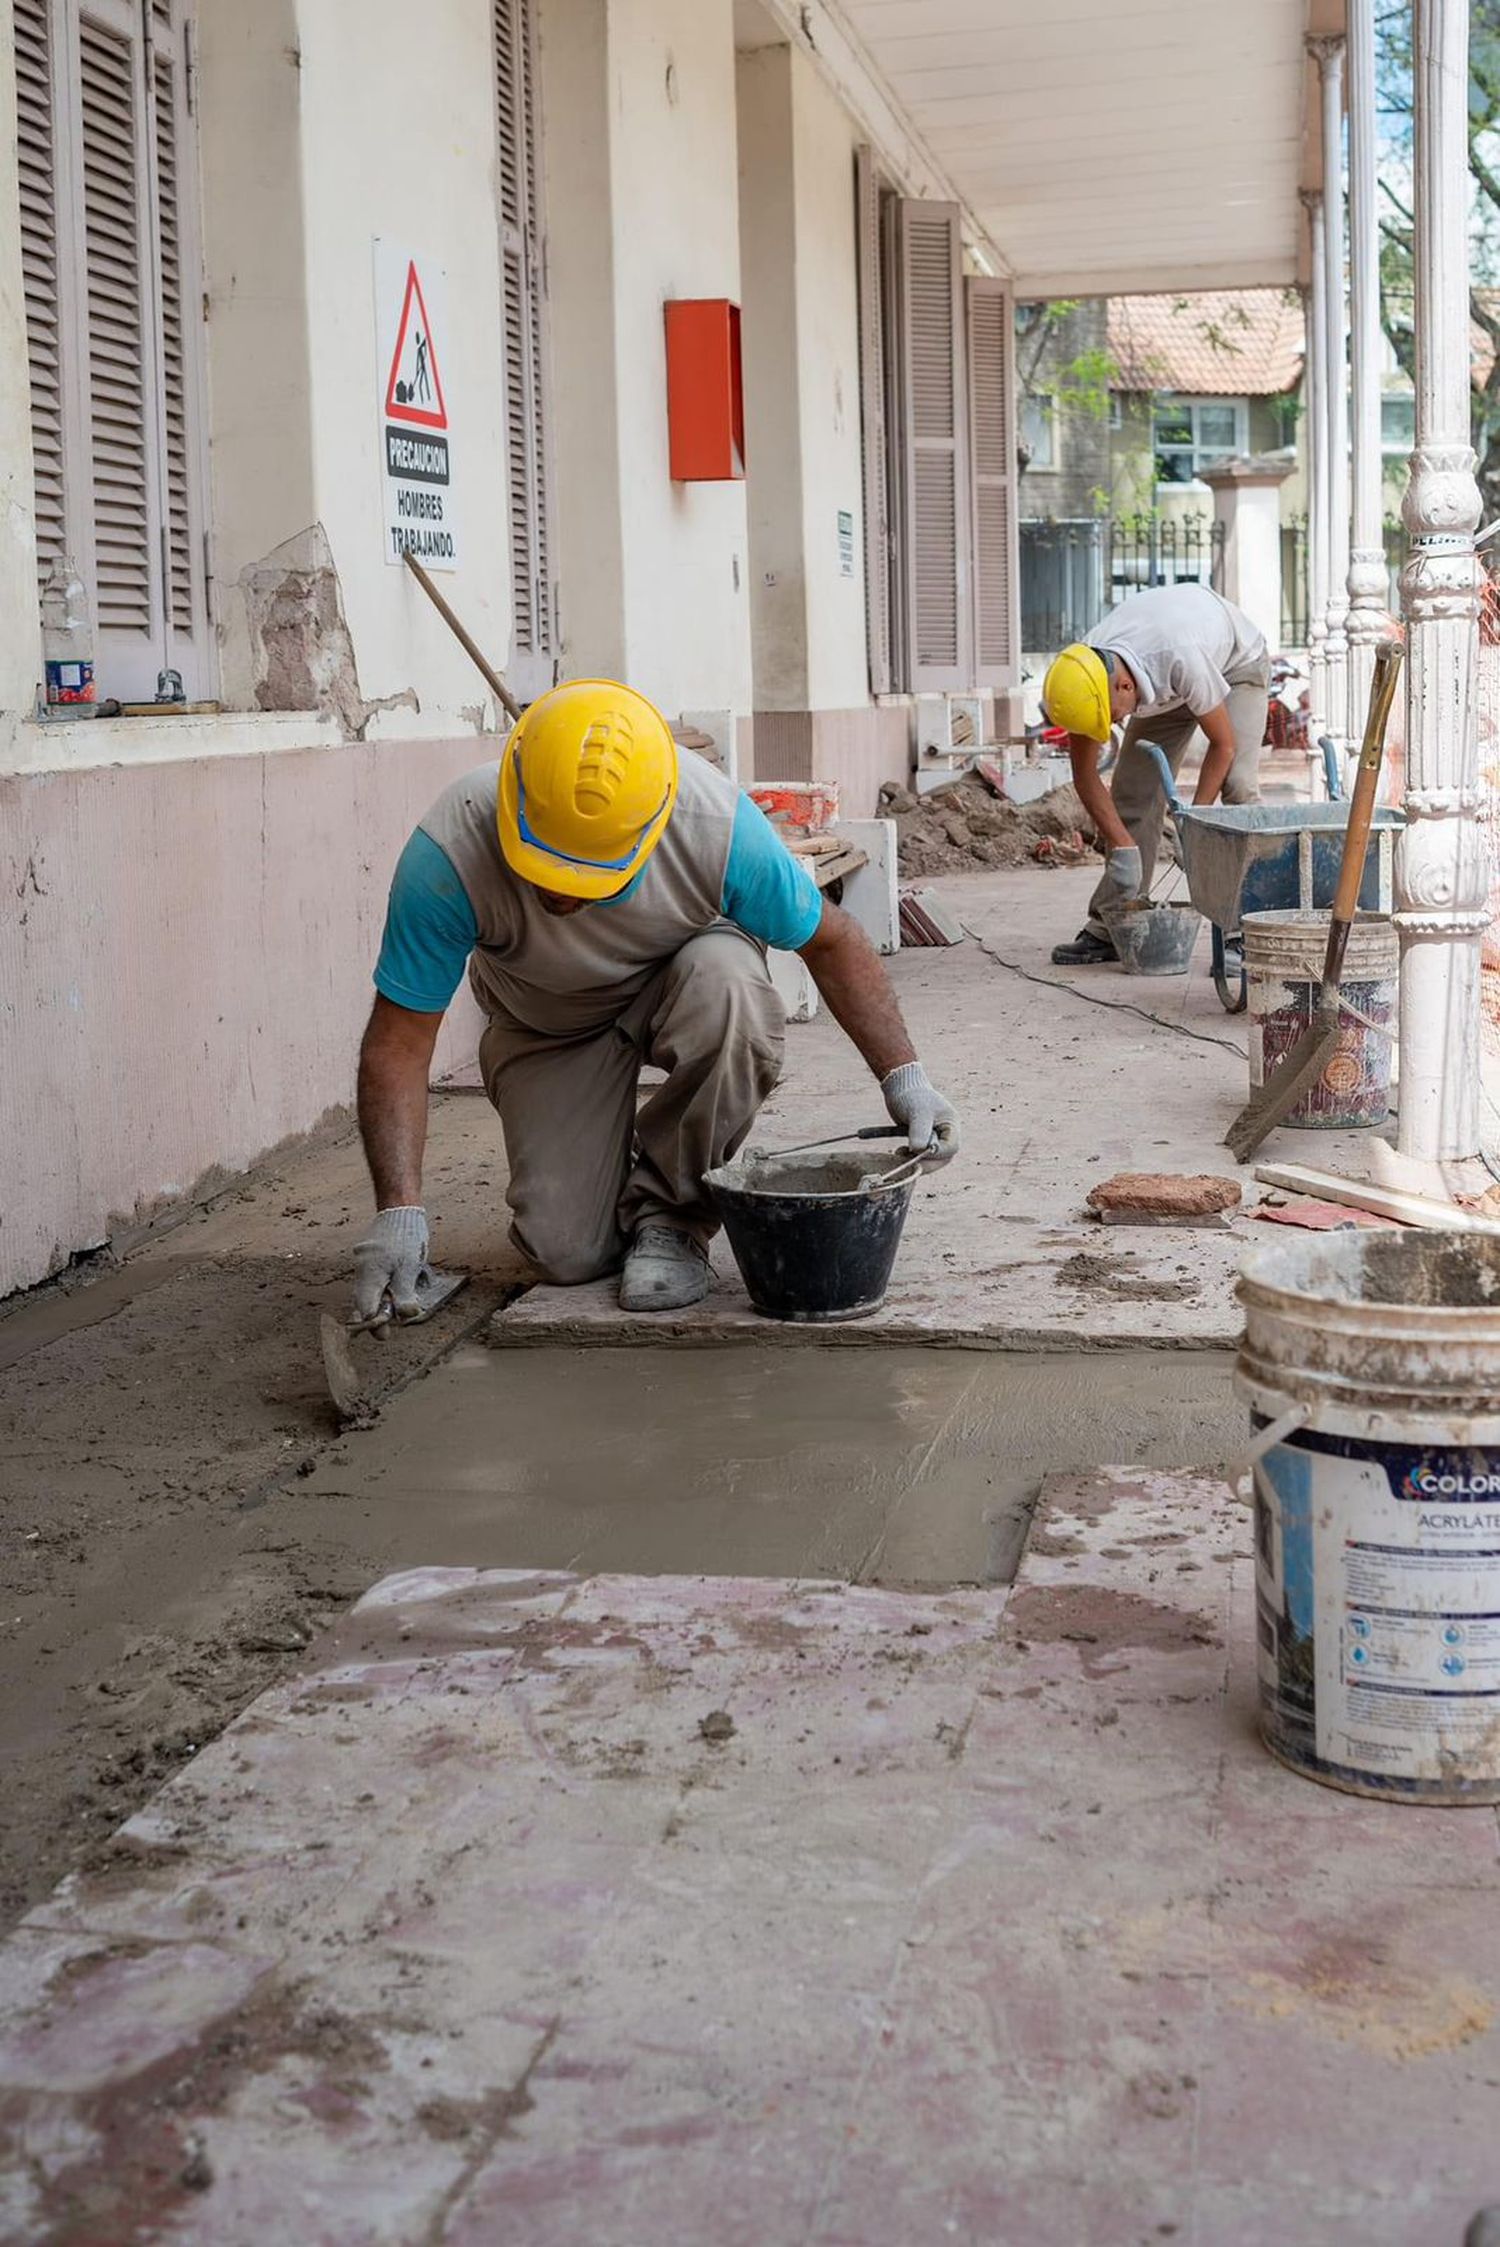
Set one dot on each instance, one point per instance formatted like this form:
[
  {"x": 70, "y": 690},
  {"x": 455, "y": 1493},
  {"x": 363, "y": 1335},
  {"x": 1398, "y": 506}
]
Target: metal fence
[
  {"x": 1294, "y": 576},
  {"x": 1073, "y": 571}
]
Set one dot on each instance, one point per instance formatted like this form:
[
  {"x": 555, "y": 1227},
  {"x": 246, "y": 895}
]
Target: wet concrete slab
[
  {"x": 626, "y": 1909},
  {"x": 904, "y": 1466}
]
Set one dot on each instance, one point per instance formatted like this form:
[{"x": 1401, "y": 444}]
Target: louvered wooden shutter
[
  {"x": 182, "y": 544},
  {"x": 37, "y": 170},
  {"x": 522, "y": 290},
  {"x": 116, "y": 260},
  {"x": 872, "y": 372},
  {"x": 109, "y": 256},
  {"x": 934, "y": 445},
  {"x": 992, "y": 455}
]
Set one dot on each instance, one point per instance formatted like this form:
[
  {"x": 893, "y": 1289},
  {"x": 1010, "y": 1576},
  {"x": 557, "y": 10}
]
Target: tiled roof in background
[{"x": 1223, "y": 343}]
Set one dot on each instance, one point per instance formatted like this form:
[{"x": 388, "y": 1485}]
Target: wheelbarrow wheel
[{"x": 1234, "y": 991}]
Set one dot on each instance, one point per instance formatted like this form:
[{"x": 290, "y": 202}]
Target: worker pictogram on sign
[
  {"x": 415, "y": 431},
  {"x": 414, "y": 388}
]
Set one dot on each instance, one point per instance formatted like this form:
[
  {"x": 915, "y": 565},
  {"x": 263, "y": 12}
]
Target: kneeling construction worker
[
  {"x": 1174, "y": 662},
  {"x": 613, "y": 900}
]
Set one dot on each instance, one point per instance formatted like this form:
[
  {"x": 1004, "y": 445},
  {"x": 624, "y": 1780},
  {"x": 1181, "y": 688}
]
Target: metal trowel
[{"x": 346, "y": 1385}]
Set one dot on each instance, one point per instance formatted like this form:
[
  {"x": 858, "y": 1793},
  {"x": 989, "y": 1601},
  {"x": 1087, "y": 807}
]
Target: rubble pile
[{"x": 965, "y": 825}]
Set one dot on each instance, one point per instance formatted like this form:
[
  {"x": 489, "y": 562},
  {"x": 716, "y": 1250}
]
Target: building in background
[{"x": 1127, "y": 404}]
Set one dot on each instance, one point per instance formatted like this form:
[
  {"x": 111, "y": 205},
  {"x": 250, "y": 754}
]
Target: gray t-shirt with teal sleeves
[{"x": 454, "y": 900}]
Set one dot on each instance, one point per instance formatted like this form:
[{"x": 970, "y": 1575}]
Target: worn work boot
[
  {"x": 1086, "y": 950},
  {"x": 664, "y": 1271}
]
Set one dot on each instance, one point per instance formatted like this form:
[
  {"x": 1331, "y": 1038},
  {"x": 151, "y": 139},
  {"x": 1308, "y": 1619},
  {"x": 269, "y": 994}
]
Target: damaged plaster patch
[{"x": 299, "y": 636}]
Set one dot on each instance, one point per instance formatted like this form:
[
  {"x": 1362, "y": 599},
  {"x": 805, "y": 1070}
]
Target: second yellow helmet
[{"x": 1075, "y": 692}]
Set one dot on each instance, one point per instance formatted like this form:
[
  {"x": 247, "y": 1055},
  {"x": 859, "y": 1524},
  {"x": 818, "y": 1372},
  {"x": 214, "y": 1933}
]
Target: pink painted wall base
[{"x": 185, "y": 972}]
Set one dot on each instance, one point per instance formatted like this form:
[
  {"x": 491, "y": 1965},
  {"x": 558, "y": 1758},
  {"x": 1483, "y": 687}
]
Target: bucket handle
[
  {"x": 1245, "y": 1466},
  {"x": 874, "y": 1179}
]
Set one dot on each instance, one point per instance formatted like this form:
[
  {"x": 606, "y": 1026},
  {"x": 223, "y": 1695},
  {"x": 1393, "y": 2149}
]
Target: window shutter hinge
[
  {"x": 208, "y": 580},
  {"x": 190, "y": 66}
]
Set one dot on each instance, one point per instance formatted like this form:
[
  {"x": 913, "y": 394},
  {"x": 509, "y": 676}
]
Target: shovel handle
[
  {"x": 1361, "y": 813},
  {"x": 486, "y": 670}
]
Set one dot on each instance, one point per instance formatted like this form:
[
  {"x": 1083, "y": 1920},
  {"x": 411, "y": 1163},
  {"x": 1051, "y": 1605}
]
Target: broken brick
[{"x": 1151, "y": 1197}]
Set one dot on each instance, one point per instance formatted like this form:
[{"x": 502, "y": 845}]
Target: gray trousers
[
  {"x": 585, "y": 1168},
  {"x": 1136, "y": 785}
]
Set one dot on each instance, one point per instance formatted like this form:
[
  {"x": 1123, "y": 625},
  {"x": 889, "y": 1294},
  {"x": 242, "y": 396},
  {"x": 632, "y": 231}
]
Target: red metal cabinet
[{"x": 705, "y": 390}]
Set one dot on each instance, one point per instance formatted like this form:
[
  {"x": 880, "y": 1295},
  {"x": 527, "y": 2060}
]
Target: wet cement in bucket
[{"x": 820, "y": 1174}]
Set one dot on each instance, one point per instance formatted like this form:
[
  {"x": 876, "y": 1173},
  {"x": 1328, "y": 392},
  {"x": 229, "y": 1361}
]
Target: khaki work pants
[
  {"x": 585, "y": 1168},
  {"x": 1136, "y": 786}
]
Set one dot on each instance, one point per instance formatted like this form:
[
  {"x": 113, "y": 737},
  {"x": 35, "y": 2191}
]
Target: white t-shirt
[{"x": 1185, "y": 644}]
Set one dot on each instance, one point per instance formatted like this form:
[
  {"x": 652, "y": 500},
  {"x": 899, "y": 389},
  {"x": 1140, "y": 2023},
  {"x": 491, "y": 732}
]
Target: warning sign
[{"x": 415, "y": 436}]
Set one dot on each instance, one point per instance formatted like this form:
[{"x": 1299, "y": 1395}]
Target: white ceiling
[{"x": 1110, "y": 146}]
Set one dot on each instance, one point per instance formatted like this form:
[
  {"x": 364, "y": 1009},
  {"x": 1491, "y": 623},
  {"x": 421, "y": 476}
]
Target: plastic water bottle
[{"x": 67, "y": 639}]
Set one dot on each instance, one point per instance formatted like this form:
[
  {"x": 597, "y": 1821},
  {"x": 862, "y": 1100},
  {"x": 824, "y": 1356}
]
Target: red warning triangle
[{"x": 414, "y": 388}]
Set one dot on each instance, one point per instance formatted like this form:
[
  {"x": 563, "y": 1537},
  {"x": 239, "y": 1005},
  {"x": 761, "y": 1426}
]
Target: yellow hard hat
[
  {"x": 587, "y": 784},
  {"x": 1075, "y": 692}
]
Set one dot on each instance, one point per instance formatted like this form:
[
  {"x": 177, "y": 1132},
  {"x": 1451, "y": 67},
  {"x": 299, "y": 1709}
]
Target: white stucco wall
[
  {"x": 405, "y": 153},
  {"x": 676, "y": 227},
  {"x": 828, "y": 383},
  {"x": 802, "y": 384},
  {"x": 262, "y": 488},
  {"x": 639, "y": 134},
  {"x": 773, "y": 434}
]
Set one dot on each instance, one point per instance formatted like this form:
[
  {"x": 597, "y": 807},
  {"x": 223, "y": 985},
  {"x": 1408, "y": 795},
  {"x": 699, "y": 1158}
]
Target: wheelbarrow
[{"x": 1265, "y": 858}]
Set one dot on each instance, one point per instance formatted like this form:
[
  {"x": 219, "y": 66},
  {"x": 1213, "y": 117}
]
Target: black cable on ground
[{"x": 1093, "y": 998}]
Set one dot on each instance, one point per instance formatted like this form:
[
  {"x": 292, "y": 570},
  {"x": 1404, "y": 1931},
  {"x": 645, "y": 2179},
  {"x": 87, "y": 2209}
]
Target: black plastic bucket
[{"x": 814, "y": 1235}]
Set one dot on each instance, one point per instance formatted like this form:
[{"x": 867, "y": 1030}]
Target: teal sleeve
[
  {"x": 767, "y": 892},
  {"x": 430, "y": 930}
]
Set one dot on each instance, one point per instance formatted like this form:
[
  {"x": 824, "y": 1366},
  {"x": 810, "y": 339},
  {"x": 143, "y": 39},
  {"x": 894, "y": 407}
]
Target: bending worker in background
[
  {"x": 1169, "y": 664},
  {"x": 613, "y": 900}
]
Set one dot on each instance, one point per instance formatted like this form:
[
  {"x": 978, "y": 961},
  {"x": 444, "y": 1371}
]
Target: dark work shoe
[
  {"x": 664, "y": 1271},
  {"x": 1086, "y": 950}
]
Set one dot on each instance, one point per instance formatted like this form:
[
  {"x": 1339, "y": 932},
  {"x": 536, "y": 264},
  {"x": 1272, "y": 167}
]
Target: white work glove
[
  {"x": 390, "y": 1261},
  {"x": 929, "y": 1121},
  {"x": 1122, "y": 871}
]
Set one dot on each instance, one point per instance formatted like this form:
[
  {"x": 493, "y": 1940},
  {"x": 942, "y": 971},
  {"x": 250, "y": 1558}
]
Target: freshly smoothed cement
[{"x": 896, "y": 1465}]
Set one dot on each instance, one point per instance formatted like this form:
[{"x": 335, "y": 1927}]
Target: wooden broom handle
[
  {"x": 1367, "y": 780},
  {"x": 491, "y": 677}
]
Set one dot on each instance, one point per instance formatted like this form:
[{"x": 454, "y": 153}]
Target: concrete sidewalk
[
  {"x": 631, "y": 1910},
  {"x": 1060, "y": 1079}
]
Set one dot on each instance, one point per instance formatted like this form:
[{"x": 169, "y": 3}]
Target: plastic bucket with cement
[
  {"x": 1283, "y": 969},
  {"x": 1371, "y": 1365},
  {"x": 1154, "y": 939},
  {"x": 814, "y": 1235}
]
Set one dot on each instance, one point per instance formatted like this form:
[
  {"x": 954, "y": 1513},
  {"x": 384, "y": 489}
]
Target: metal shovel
[{"x": 1310, "y": 1056}]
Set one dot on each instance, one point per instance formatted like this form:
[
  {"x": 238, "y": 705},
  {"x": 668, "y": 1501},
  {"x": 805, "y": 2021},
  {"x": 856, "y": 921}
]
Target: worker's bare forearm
[
  {"x": 395, "y": 1061},
  {"x": 847, "y": 970},
  {"x": 1096, "y": 798},
  {"x": 1214, "y": 770}
]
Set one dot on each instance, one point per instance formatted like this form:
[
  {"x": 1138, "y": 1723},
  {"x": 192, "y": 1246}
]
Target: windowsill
[{"x": 39, "y": 745}]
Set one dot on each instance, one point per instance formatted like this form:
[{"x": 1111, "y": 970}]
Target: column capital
[
  {"x": 1311, "y": 199},
  {"x": 1326, "y": 49}
]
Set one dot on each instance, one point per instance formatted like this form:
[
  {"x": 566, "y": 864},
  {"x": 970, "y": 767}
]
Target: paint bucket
[
  {"x": 1154, "y": 939},
  {"x": 814, "y": 1235},
  {"x": 1371, "y": 1365},
  {"x": 1283, "y": 969}
]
